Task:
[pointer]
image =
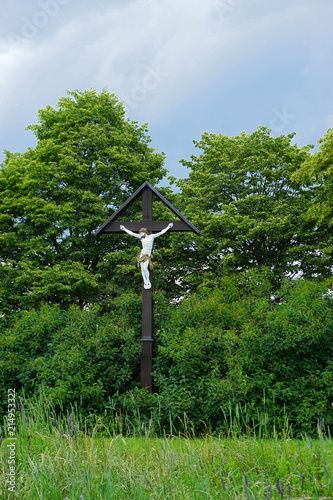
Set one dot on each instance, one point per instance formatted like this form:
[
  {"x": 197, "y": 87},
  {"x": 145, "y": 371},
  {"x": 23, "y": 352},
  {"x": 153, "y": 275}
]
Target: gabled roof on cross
[{"x": 111, "y": 226}]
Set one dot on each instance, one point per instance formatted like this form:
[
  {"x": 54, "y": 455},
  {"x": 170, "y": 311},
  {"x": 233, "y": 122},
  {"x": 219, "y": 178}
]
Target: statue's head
[{"x": 143, "y": 232}]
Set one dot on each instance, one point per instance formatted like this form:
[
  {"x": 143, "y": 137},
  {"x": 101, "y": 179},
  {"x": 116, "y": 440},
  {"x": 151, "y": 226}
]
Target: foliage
[
  {"x": 317, "y": 173},
  {"x": 242, "y": 195},
  {"x": 225, "y": 348},
  {"x": 235, "y": 329},
  {"x": 89, "y": 158},
  {"x": 236, "y": 345},
  {"x": 77, "y": 355}
]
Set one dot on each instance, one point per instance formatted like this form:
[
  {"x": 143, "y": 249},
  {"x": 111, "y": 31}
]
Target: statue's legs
[{"x": 145, "y": 274}]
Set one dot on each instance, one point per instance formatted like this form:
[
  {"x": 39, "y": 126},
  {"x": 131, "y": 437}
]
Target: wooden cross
[{"x": 113, "y": 226}]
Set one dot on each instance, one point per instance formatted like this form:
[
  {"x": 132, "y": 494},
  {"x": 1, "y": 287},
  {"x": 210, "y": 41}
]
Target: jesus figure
[{"x": 145, "y": 256}]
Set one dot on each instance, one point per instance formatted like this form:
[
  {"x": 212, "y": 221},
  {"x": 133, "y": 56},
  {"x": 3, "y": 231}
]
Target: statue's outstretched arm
[
  {"x": 136, "y": 235},
  {"x": 164, "y": 230}
]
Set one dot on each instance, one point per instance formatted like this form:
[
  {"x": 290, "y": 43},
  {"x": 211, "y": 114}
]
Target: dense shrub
[
  {"x": 76, "y": 354},
  {"x": 221, "y": 350},
  {"x": 237, "y": 346}
]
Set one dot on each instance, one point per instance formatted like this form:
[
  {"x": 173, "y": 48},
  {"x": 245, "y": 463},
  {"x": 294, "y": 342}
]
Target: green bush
[
  {"x": 228, "y": 355},
  {"x": 76, "y": 354},
  {"x": 237, "y": 346}
]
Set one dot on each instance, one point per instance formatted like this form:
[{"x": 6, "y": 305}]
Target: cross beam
[
  {"x": 113, "y": 226},
  {"x": 153, "y": 226}
]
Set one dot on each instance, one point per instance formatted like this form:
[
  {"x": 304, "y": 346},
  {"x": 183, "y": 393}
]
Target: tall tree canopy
[
  {"x": 240, "y": 192},
  {"x": 317, "y": 173},
  {"x": 89, "y": 158}
]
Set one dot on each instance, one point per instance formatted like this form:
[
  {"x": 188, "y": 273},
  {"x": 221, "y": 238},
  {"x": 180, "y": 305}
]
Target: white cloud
[{"x": 160, "y": 54}]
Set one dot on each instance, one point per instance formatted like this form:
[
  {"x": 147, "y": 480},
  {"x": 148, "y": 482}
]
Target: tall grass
[{"x": 77, "y": 458}]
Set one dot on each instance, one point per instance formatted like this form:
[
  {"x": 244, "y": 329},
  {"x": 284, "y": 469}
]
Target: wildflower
[
  {"x": 194, "y": 466},
  {"x": 223, "y": 484},
  {"x": 282, "y": 489},
  {"x": 278, "y": 484}
]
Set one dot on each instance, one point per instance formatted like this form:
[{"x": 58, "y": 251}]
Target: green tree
[
  {"x": 317, "y": 173},
  {"x": 89, "y": 158},
  {"x": 241, "y": 194}
]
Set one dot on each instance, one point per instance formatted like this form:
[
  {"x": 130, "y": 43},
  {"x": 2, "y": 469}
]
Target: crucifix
[{"x": 146, "y": 235}]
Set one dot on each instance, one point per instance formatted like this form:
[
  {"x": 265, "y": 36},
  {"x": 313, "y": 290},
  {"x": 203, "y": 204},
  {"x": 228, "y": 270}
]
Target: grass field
[{"x": 61, "y": 459}]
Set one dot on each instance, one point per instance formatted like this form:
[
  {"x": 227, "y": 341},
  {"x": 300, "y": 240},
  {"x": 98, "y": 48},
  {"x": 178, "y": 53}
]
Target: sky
[{"x": 183, "y": 66}]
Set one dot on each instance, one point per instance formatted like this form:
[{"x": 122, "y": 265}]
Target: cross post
[{"x": 147, "y": 304}]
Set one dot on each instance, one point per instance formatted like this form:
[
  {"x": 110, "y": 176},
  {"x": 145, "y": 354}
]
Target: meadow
[{"x": 77, "y": 458}]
